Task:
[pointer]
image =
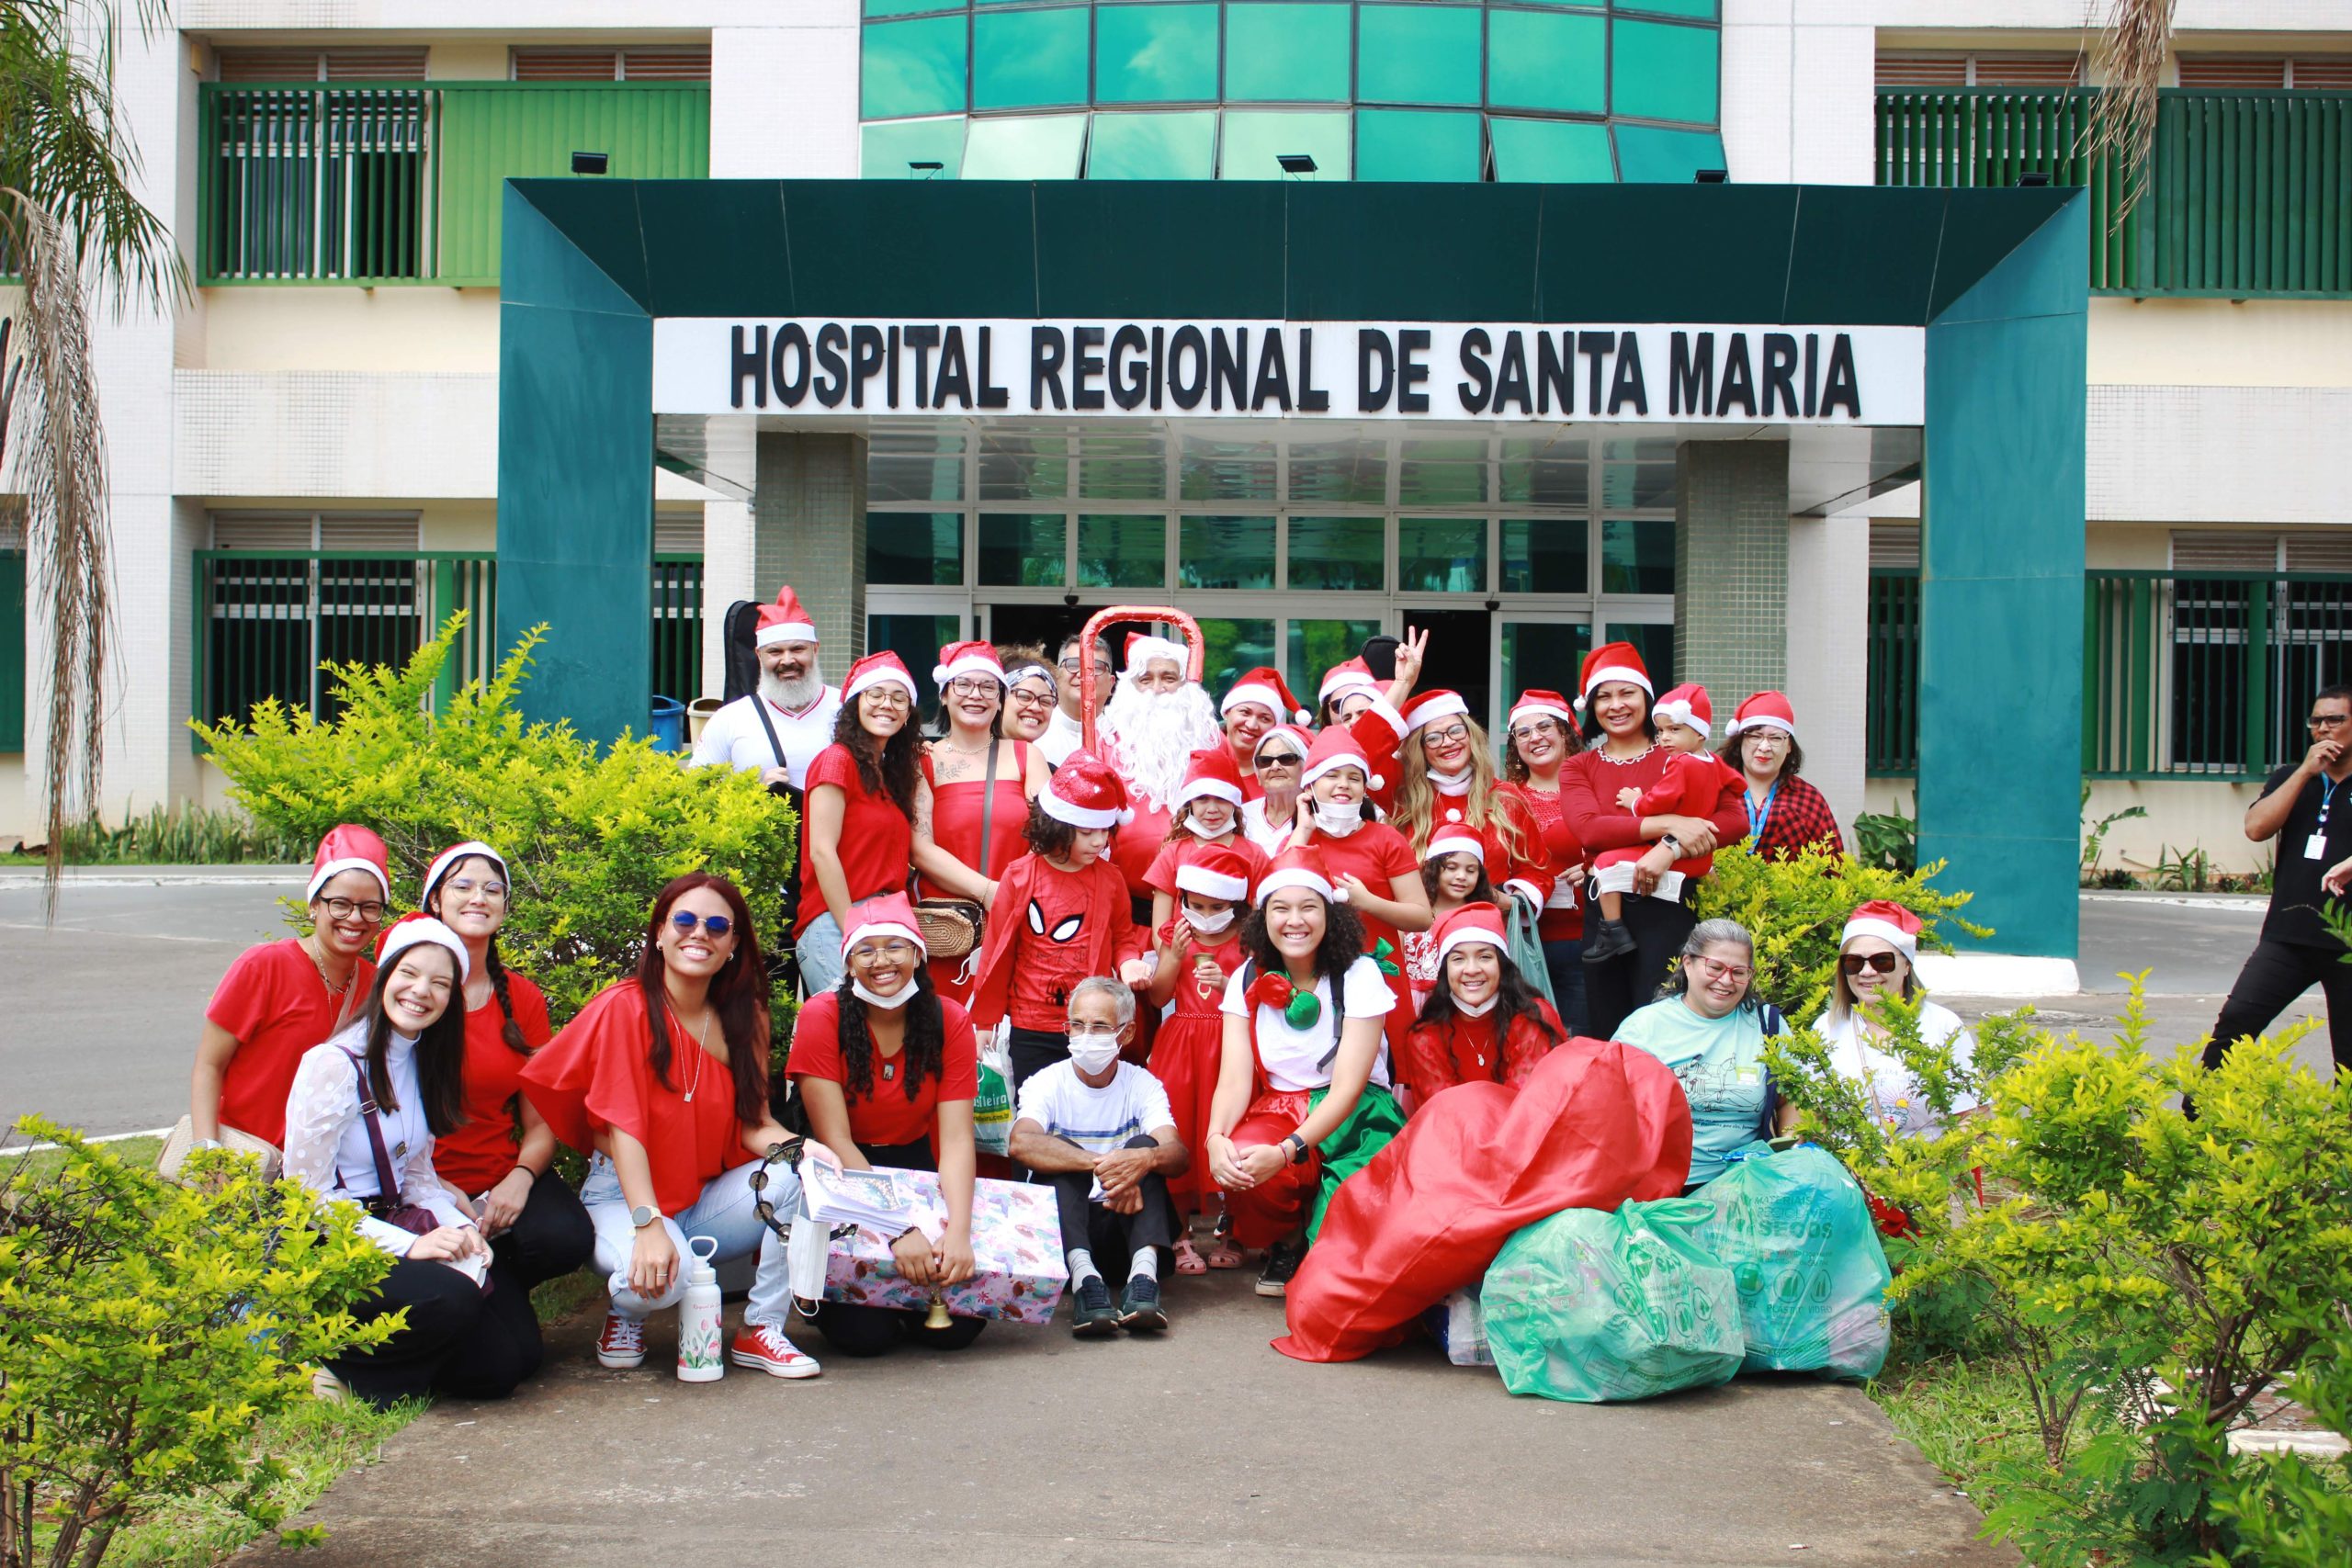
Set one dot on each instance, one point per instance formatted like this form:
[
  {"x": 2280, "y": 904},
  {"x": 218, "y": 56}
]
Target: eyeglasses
[
  {"x": 1449, "y": 735},
  {"x": 1529, "y": 732},
  {"x": 887, "y": 697},
  {"x": 2329, "y": 721},
  {"x": 1093, "y": 1032},
  {"x": 1021, "y": 699},
  {"x": 1728, "y": 971},
  {"x": 685, "y": 924},
  {"x": 1102, "y": 668},
  {"x": 973, "y": 686},
  {"x": 892, "y": 951},
  {"x": 466, "y": 887},
  {"x": 372, "y": 911},
  {"x": 1278, "y": 759},
  {"x": 1771, "y": 737},
  {"x": 1855, "y": 963}
]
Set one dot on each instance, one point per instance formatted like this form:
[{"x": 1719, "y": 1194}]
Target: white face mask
[
  {"x": 1339, "y": 821},
  {"x": 1203, "y": 831},
  {"x": 1208, "y": 925},
  {"x": 875, "y": 1000},
  {"x": 1093, "y": 1053},
  {"x": 1481, "y": 1010},
  {"x": 1452, "y": 783}
]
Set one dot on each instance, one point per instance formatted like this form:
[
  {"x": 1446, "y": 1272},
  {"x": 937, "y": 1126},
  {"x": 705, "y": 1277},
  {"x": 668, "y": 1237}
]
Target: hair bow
[
  {"x": 1299, "y": 1009},
  {"x": 1383, "y": 954}
]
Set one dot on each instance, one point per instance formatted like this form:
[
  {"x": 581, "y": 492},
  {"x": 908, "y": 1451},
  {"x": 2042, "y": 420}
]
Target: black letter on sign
[
  {"x": 753, "y": 364},
  {"x": 1596, "y": 346},
  {"x": 991, "y": 395},
  {"x": 1274, "y": 372},
  {"x": 832, "y": 384},
  {"x": 1047, "y": 351},
  {"x": 1129, "y": 378},
  {"x": 1510, "y": 374},
  {"x": 1375, "y": 371},
  {"x": 1227, "y": 367},
  {"x": 1780, "y": 373},
  {"x": 890, "y": 373},
  {"x": 1087, "y": 366},
  {"x": 954, "y": 375},
  {"x": 1158, "y": 363},
  {"x": 1475, "y": 346},
  {"x": 864, "y": 359},
  {"x": 1812, "y": 371},
  {"x": 790, "y": 388},
  {"x": 1626, "y": 386},
  {"x": 1185, "y": 390},
  {"x": 1410, "y": 372},
  {"x": 922, "y": 339},
  {"x": 1690, "y": 378},
  {"x": 1312, "y": 399},
  {"x": 1838, "y": 385},
  {"x": 1739, "y": 380},
  {"x": 1555, "y": 371}
]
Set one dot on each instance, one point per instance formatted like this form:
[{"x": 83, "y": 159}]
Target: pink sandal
[
  {"x": 1188, "y": 1262},
  {"x": 1225, "y": 1255}
]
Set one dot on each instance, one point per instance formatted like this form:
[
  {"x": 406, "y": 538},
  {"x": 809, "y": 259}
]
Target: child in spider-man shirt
[{"x": 1059, "y": 914}]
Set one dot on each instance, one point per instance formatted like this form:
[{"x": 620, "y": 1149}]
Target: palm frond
[{"x": 2129, "y": 55}]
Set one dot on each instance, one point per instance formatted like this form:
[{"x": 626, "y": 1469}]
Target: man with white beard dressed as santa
[{"x": 1156, "y": 721}]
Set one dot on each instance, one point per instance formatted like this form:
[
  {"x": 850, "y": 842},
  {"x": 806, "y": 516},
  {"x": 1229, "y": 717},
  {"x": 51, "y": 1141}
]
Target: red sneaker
[
  {"x": 622, "y": 1344},
  {"x": 764, "y": 1347}
]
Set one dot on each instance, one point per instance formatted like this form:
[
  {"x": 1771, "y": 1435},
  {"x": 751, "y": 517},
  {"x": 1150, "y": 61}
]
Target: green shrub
[
  {"x": 182, "y": 835},
  {"x": 2288, "y": 1512},
  {"x": 590, "y": 834},
  {"x": 147, "y": 1329}
]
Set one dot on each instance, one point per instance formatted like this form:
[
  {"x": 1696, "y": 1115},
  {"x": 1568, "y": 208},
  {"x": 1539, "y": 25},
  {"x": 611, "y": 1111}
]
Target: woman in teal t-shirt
[{"x": 1710, "y": 1028}]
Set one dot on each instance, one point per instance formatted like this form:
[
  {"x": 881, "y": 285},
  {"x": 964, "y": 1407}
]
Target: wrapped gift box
[{"x": 1018, "y": 1266}]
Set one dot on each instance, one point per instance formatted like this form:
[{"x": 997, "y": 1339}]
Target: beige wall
[
  {"x": 415, "y": 328},
  {"x": 2220, "y": 342},
  {"x": 2122, "y": 546},
  {"x": 16, "y": 815},
  {"x": 2183, "y": 813}
]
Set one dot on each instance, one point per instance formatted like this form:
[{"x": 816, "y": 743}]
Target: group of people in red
[{"x": 1227, "y": 951}]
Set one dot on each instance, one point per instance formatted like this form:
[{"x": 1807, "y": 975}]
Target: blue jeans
[
  {"x": 724, "y": 1213},
  {"x": 819, "y": 953},
  {"x": 1563, "y": 962}
]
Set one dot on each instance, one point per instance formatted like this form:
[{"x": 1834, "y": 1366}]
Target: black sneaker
[
  {"x": 1091, "y": 1314},
  {"x": 1282, "y": 1260},
  {"x": 1612, "y": 940},
  {"x": 1139, "y": 1309}
]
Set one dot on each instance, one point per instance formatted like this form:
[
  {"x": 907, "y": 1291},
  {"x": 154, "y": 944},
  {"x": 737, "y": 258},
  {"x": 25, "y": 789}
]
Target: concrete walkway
[{"x": 1032, "y": 1447}]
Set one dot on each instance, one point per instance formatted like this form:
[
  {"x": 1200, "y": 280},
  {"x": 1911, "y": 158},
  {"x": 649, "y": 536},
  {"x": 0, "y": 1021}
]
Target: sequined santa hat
[
  {"x": 1687, "y": 705},
  {"x": 1297, "y": 867},
  {"x": 349, "y": 847},
  {"x": 889, "y": 915},
  {"x": 968, "y": 658},
  {"x": 786, "y": 621},
  {"x": 1612, "y": 662},
  {"x": 1214, "y": 772},
  {"x": 1268, "y": 689},
  {"x": 1213, "y": 871},
  {"x": 1335, "y": 747},
  {"x": 1471, "y": 922},
  {"x": 1765, "y": 710},
  {"x": 1086, "y": 791},
  {"x": 1888, "y": 921}
]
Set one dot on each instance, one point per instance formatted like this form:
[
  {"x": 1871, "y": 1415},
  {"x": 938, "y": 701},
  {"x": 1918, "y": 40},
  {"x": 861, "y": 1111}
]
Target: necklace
[
  {"x": 1602, "y": 753},
  {"x": 702, "y": 1047},
  {"x": 310, "y": 946}
]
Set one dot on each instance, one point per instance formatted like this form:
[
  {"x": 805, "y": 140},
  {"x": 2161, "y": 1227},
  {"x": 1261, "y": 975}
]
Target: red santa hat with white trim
[
  {"x": 1537, "y": 703},
  {"x": 1085, "y": 792},
  {"x": 1687, "y": 705},
  {"x": 1888, "y": 921},
  {"x": 1212, "y": 771},
  {"x": 447, "y": 860},
  {"x": 1351, "y": 676},
  {"x": 1612, "y": 662},
  {"x": 1213, "y": 871},
  {"x": 349, "y": 847},
  {"x": 1453, "y": 836},
  {"x": 1297, "y": 867},
  {"x": 884, "y": 669},
  {"x": 1335, "y": 747},
  {"x": 1268, "y": 690},
  {"x": 1765, "y": 710},
  {"x": 968, "y": 658},
  {"x": 889, "y": 915},
  {"x": 1471, "y": 922},
  {"x": 1142, "y": 648},
  {"x": 409, "y": 930},
  {"x": 1430, "y": 705},
  {"x": 786, "y": 621}
]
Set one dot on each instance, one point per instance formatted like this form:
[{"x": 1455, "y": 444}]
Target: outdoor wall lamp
[
  {"x": 591, "y": 163},
  {"x": 1711, "y": 176},
  {"x": 1295, "y": 163}
]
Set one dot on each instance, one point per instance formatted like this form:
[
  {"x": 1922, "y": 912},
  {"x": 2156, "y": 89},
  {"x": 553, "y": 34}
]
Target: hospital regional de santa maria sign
[{"x": 830, "y": 366}]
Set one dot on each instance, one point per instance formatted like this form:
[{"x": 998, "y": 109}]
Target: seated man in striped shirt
[{"x": 1101, "y": 1131}]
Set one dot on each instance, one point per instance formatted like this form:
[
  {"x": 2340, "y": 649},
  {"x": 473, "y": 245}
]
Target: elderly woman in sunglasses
[
  {"x": 1269, "y": 820},
  {"x": 1878, "y": 959}
]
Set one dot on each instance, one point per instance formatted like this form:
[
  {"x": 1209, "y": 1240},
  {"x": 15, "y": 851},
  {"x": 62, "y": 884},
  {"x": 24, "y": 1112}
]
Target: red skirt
[
  {"x": 1265, "y": 1214},
  {"x": 1185, "y": 1057}
]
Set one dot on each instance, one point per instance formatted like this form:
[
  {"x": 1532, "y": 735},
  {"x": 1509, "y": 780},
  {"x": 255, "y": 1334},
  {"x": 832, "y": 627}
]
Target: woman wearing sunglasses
[
  {"x": 663, "y": 1079},
  {"x": 1710, "y": 1026},
  {"x": 1269, "y": 820},
  {"x": 1877, "y": 959}
]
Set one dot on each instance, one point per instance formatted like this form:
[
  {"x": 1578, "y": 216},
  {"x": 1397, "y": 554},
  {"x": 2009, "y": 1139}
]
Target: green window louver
[
  {"x": 12, "y": 651},
  {"x": 1419, "y": 144},
  {"x": 1164, "y": 146},
  {"x": 888, "y": 148},
  {"x": 1551, "y": 151}
]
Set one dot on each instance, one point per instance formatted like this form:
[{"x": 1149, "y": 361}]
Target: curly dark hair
[
  {"x": 1790, "y": 766},
  {"x": 1482, "y": 894},
  {"x": 1049, "y": 836},
  {"x": 1515, "y": 768},
  {"x": 890, "y": 768},
  {"x": 925, "y": 1054},
  {"x": 1343, "y": 941},
  {"x": 1515, "y": 999}
]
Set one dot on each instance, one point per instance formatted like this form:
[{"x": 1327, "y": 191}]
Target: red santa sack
[{"x": 1596, "y": 1124}]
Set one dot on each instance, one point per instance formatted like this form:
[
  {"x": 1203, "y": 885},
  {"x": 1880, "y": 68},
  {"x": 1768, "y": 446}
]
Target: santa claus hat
[
  {"x": 890, "y": 915},
  {"x": 1212, "y": 771},
  {"x": 884, "y": 669},
  {"x": 1142, "y": 647},
  {"x": 1888, "y": 921},
  {"x": 1537, "y": 703},
  {"x": 968, "y": 658},
  {"x": 1299, "y": 868},
  {"x": 350, "y": 848},
  {"x": 1454, "y": 837},
  {"x": 1301, "y": 740},
  {"x": 1765, "y": 710},
  {"x": 1471, "y": 922},
  {"x": 1335, "y": 747},
  {"x": 410, "y": 930},
  {"x": 1268, "y": 690},
  {"x": 1213, "y": 871},
  {"x": 1086, "y": 793},
  {"x": 786, "y": 621},
  {"x": 1432, "y": 705},
  {"x": 1354, "y": 675},
  {"x": 1612, "y": 661},
  {"x": 447, "y": 860},
  {"x": 1687, "y": 705}
]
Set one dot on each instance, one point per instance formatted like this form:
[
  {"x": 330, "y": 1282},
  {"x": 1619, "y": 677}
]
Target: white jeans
[{"x": 724, "y": 1213}]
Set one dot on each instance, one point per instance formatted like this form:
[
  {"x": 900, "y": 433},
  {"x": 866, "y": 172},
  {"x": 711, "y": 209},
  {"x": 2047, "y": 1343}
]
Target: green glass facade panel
[
  {"x": 1123, "y": 468},
  {"x": 1209, "y": 469},
  {"x": 1441, "y": 554},
  {"x": 887, "y": 149},
  {"x": 1637, "y": 471},
  {"x": 1022, "y": 551},
  {"x": 1338, "y": 555},
  {"x": 1170, "y": 145},
  {"x": 1703, "y": 10},
  {"x": 915, "y": 549},
  {"x": 1546, "y": 555},
  {"x": 1232, "y": 645},
  {"x": 1659, "y": 71},
  {"x": 1653, "y": 640},
  {"x": 1311, "y": 647},
  {"x": 1636, "y": 555},
  {"x": 1548, "y": 60},
  {"x": 1542, "y": 654},
  {"x": 1551, "y": 151},
  {"x": 1422, "y": 53},
  {"x": 910, "y": 7},
  {"x": 917, "y": 639},
  {"x": 916, "y": 469},
  {"x": 1018, "y": 467},
  {"x": 1419, "y": 144},
  {"x": 1252, "y": 138},
  {"x": 1025, "y": 147},
  {"x": 1224, "y": 552},
  {"x": 1122, "y": 552},
  {"x": 1287, "y": 54},
  {"x": 1155, "y": 55},
  {"x": 1029, "y": 58},
  {"x": 1355, "y": 470},
  {"x": 1545, "y": 473},
  {"x": 913, "y": 67},
  {"x": 1650, "y": 154},
  {"x": 1444, "y": 471}
]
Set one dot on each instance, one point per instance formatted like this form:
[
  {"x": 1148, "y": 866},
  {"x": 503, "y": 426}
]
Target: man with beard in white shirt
[
  {"x": 1156, "y": 721},
  {"x": 779, "y": 728}
]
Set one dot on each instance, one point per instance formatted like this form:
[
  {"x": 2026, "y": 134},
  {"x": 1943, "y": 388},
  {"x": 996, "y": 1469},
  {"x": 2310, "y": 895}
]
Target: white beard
[
  {"x": 792, "y": 694},
  {"x": 1151, "y": 736}
]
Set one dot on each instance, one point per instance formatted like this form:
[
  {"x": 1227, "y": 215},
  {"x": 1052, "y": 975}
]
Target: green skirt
[{"x": 1366, "y": 1132}]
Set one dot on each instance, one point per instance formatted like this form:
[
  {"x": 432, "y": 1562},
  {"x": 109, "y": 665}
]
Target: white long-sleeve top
[{"x": 326, "y": 1137}]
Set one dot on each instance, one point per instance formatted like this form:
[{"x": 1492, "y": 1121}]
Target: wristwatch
[
  {"x": 205, "y": 1143},
  {"x": 1670, "y": 842},
  {"x": 1297, "y": 1148},
  {"x": 643, "y": 1215}
]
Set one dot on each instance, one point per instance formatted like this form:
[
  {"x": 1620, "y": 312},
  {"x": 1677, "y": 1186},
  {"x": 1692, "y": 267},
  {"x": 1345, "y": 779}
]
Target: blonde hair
[
  {"x": 1841, "y": 994},
  {"x": 1417, "y": 798}
]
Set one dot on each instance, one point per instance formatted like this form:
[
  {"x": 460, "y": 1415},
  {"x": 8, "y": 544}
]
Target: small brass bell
[{"x": 937, "y": 1317}]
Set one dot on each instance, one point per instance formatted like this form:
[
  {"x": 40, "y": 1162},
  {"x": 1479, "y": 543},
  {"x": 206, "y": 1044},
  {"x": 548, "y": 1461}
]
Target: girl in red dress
[
  {"x": 1454, "y": 871},
  {"x": 1199, "y": 951},
  {"x": 1482, "y": 1024},
  {"x": 978, "y": 786},
  {"x": 1372, "y": 864},
  {"x": 1208, "y": 811}
]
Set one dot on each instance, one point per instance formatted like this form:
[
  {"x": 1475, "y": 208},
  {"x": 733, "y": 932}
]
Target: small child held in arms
[
  {"x": 1199, "y": 948},
  {"x": 1693, "y": 783},
  {"x": 1454, "y": 871}
]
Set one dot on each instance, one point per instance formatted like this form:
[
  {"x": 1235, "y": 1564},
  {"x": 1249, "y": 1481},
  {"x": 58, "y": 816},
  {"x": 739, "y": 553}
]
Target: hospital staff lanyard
[
  {"x": 2326, "y": 799},
  {"x": 1757, "y": 818}
]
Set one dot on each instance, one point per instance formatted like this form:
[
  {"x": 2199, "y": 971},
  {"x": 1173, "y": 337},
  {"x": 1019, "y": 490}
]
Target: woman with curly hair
[
  {"x": 887, "y": 1068},
  {"x": 1482, "y": 1024},
  {"x": 1302, "y": 1094}
]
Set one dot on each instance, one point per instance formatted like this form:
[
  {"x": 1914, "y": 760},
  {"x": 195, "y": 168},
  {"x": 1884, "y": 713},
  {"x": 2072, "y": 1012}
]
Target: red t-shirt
[
  {"x": 1161, "y": 877},
  {"x": 277, "y": 1005},
  {"x": 877, "y": 842},
  {"x": 480, "y": 1154},
  {"x": 1560, "y": 921},
  {"x": 886, "y": 1115},
  {"x": 1379, "y": 855}
]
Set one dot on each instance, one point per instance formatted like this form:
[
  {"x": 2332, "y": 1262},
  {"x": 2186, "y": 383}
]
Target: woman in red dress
[
  {"x": 1482, "y": 1022},
  {"x": 1199, "y": 948},
  {"x": 978, "y": 787},
  {"x": 1542, "y": 733}
]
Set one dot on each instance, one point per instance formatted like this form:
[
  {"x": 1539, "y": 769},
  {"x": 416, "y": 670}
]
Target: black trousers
[
  {"x": 1615, "y": 989},
  {"x": 1113, "y": 1238},
  {"x": 551, "y": 1237},
  {"x": 2276, "y": 974},
  {"x": 457, "y": 1341},
  {"x": 1032, "y": 1052},
  {"x": 855, "y": 1330}
]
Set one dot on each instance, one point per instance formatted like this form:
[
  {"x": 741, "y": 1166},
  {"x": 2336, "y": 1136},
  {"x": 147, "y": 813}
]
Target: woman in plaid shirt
[{"x": 1785, "y": 815}]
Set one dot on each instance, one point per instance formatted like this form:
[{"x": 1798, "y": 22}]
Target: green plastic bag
[
  {"x": 1796, "y": 1230},
  {"x": 1527, "y": 950},
  {"x": 1595, "y": 1307},
  {"x": 992, "y": 1113}
]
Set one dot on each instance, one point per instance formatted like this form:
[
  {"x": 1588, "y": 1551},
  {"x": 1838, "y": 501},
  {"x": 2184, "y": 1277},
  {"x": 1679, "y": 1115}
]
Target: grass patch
[
  {"x": 43, "y": 1165},
  {"x": 1964, "y": 1415}
]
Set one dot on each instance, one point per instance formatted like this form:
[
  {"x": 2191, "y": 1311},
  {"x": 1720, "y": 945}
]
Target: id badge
[{"x": 2315, "y": 847}]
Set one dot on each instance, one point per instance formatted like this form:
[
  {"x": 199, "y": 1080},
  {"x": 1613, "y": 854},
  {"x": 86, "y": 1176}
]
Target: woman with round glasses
[
  {"x": 1710, "y": 1027},
  {"x": 1786, "y": 816},
  {"x": 1541, "y": 735},
  {"x": 1030, "y": 692},
  {"x": 1877, "y": 958},
  {"x": 977, "y": 785}
]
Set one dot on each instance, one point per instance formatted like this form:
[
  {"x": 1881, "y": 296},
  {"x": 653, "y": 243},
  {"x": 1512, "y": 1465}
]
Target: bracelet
[
  {"x": 1298, "y": 1148},
  {"x": 525, "y": 1169}
]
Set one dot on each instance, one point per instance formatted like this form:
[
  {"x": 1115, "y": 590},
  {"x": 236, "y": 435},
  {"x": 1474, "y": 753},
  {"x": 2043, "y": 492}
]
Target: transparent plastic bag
[{"x": 1796, "y": 1230}]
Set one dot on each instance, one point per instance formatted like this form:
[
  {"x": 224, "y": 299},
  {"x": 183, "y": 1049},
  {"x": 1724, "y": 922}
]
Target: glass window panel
[
  {"x": 1287, "y": 53},
  {"x": 1417, "y": 54},
  {"x": 1539, "y": 59},
  {"x": 913, "y": 68},
  {"x": 1225, "y": 552},
  {"x": 1442, "y": 472},
  {"x": 1229, "y": 647},
  {"x": 1551, "y": 151},
  {"x": 1546, "y": 473},
  {"x": 920, "y": 548},
  {"x": 1253, "y": 137},
  {"x": 1355, "y": 470},
  {"x": 1226, "y": 470},
  {"x": 1337, "y": 553},
  {"x": 1659, "y": 71},
  {"x": 910, "y": 7},
  {"x": 1155, "y": 55},
  {"x": 904, "y": 465},
  {"x": 1164, "y": 146},
  {"x": 888, "y": 146},
  {"x": 1021, "y": 550},
  {"x": 1014, "y": 467},
  {"x": 917, "y": 639},
  {"x": 1655, "y": 156},
  {"x": 1706, "y": 8},
  {"x": 1638, "y": 471},
  {"x": 1122, "y": 552},
  {"x": 1122, "y": 467},
  {"x": 1022, "y": 57},
  {"x": 1653, "y": 640},
  {"x": 1544, "y": 655},
  {"x": 1637, "y": 556},
  {"x": 1547, "y": 556},
  {"x": 1441, "y": 554},
  {"x": 1415, "y": 144},
  {"x": 1313, "y": 647},
  {"x": 1046, "y": 147}
]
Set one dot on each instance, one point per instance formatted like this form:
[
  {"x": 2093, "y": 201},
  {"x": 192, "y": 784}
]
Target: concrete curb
[
  {"x": 157, "y": 876},
  {"x": 1997, "y": 975}
]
